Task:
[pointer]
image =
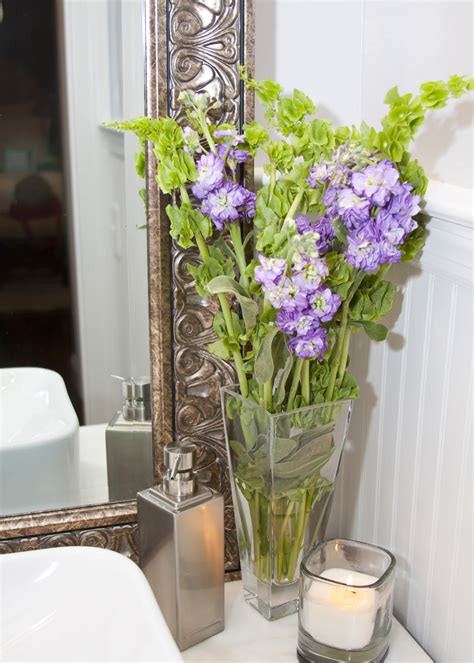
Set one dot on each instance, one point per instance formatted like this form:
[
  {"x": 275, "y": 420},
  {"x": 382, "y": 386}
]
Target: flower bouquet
[{"x": 297, "y": 268}]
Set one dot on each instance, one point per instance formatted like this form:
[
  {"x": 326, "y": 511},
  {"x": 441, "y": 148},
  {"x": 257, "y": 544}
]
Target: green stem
[
  {"x": 338, "y": 351},
  {"x": 206, "y": 132},
  {"x": 341, "y": 340},
  {"x": 226, "y": 312},
  {"x": 236, "y": 237},
  {"x": 305, "y": 388},
  {"x": 295, "y": 383},
  {"x": 271, "y": 187},
  {"x": 184, "y": 195},
  {"x": 256, "y": 532},
  {"x": 267, "y": 395},
  {"x": 294, "y": 205},
  {"x": 291, "y": 213},
  {"x": 320, "y": 519},
  {"x": 297, "y": 539},
  {"x": 288, "y": 513},
  {"x": 344, "y": 356}
]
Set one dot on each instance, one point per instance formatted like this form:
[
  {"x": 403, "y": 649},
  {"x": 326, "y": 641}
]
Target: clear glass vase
[{"x": 283, "y": 470}]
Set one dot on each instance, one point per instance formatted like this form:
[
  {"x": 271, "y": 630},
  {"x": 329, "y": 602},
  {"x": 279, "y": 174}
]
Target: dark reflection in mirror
[{"x": 36, "y": 316}]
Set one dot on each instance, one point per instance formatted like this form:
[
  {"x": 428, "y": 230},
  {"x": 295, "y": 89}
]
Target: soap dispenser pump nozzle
[{"x": 180, "y": 480}]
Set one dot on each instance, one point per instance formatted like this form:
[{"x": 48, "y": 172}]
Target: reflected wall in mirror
[{"x": 73, "y": 277}]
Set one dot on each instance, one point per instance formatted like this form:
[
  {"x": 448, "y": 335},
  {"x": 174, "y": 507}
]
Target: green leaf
[
  {"x": 226, "y": 284},
  {"x": 282, "y": 378},
  {"x": 219, "y": 349},
  {"x": 392, "y": 96},
  {"x": 372, "y": 301},
  {"x": 374, "y": 330},
  {"x": 255, "y": 135},
  {"x": 434, "y": 94},
  {"x": 200, "y": 222},
  {"x": 180, "y": 229},
  {"x": 348, "y": 389},
  {"x": 413, "y": 243},
  {"x": 264, "y": 361},
  {"x": 140, "y": 163},
  {"x": 307, "y": 459}
]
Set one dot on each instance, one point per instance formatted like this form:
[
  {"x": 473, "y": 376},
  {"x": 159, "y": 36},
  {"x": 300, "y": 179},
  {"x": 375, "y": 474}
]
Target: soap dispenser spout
[{"x": 180, "y": 480}]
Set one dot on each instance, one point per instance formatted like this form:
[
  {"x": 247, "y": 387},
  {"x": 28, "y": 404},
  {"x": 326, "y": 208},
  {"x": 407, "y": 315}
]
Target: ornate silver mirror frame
[{"x": 196, "y": 44}]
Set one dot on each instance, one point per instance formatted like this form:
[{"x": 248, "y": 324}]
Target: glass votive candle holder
[{"x": 346, "y": 598}]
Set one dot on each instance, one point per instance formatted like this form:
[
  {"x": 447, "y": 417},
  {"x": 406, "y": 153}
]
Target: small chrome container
[{"x": 181, "y": 548}]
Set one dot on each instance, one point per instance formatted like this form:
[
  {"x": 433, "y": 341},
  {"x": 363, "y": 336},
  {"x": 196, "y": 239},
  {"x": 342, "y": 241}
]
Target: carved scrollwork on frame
[
  {"x": 206, "y": 45},
  {"x": 120, "y": 538},
  {"x": 205, "y": 51}
]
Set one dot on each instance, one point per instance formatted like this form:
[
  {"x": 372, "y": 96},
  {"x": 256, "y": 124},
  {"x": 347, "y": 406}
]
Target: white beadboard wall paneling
[
  {"x": 458, "y": 646},
  {"x": 406, "y": 474}
]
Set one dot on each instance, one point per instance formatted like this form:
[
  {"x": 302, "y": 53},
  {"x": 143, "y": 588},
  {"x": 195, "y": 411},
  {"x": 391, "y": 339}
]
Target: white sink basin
[
  {"x": 38, "y": 442},
  {"x": 79, "y": 604}
]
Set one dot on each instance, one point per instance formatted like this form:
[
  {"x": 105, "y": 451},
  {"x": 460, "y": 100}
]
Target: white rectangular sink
[
  {"x": 39, "y": 433},
  {"x": 79, "y": 604}
]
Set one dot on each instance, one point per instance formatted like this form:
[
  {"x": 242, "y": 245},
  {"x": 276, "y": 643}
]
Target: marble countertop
[{"x": 250, "y": 638}]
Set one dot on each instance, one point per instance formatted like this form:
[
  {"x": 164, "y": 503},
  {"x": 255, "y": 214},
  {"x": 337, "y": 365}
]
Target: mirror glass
[{"x": 73, "y": 279}]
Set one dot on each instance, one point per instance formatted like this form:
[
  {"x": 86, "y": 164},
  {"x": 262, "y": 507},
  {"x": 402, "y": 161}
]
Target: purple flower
[
  {"x": 323, "y": 227},
  {"x": 292, "y": 321},
  {"x": 363, "y": 253},
  {"x": 330, "y": 200},
  {"x": 389, "y": 253},
  {"x": 210, "y": 175},
  {"x": 249, "y": 204},
  {"x": 228, "y": 153},
  {"x": 303, "y": 224},
  {"x": 230, "y": 136},
  {"x": 352, "y": 208},
  {"x": 376, "y": 181},
  {"x": 226, "y": 133},
  {"x": 226, "y": 150},
  {"x": 279, "y": 294},
  {"x": 309, "y": 277},
  {"x": 324, "y": 303},
  {"x": 312, "y": 345},
  {"x": 289, "y": 319},
  {"x": 224, "y": 203},
  {"x": 389, "y": 228},
  {"x": 270, "y": 270},
  {"x": 403, "y": 203},
  {"x": 319, "y": 174}
]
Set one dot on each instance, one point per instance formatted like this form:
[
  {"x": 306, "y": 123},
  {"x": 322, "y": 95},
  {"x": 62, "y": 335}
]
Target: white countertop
[{"x": 250, "y": 638}]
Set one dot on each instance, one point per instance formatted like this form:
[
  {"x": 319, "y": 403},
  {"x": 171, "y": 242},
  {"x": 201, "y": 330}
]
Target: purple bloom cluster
[
  {"x": 323, "y": 227},
  {"x": 227, "y": 149},
  {"x": 222, "y": 200},
  {"x": 303, "y": 302},
  {"x": 366, "y": 195}
]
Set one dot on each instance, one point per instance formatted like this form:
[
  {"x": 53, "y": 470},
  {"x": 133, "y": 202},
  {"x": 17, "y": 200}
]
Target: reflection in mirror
[{"x": 73, "y": 282}]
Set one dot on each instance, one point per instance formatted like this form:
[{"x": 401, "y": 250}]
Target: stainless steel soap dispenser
[
  {"x": 181, "y": 548},
  {"x": 129, "y": 443}
]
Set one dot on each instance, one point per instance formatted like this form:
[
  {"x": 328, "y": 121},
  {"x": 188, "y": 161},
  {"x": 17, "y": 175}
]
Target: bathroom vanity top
[{"x": 250, "y": 638}]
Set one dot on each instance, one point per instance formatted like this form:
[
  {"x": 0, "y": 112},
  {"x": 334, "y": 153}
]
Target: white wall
[
  {"x": 407, "y": 471},
  {"x": 346, "y": 55}
]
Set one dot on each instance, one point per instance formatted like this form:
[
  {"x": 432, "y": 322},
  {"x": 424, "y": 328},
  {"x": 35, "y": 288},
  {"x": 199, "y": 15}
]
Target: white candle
[{"x": 339, "y": 616}]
